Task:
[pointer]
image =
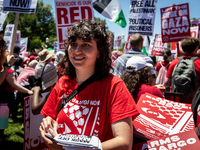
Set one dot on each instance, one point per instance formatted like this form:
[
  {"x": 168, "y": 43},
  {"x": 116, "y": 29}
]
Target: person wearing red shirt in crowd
[
  {"x": 190, "y": 46},
  {"x": 4, "y": 69},
  {"x": 138, "y": 77},
  {"x": 165, "y": 62},
  {"x": 160, "y": 77},
  {"x": 105, "y": 108}
]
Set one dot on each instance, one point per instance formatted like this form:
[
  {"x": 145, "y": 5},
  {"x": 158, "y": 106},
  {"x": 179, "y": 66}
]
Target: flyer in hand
[
  {"x": 160, "y": 117},
  {"x": 181, "y": 141},
  {"x": 78, "y": 142}
]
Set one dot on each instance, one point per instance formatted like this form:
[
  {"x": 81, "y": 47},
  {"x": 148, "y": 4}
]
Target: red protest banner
[
  {"x": 69, "y": 12},
  {"x": 182, "y": 141},
  {"x": 158, "y": 46},
  {"x": 175, "y": 23},
  {"x": 161, "y": 117}
]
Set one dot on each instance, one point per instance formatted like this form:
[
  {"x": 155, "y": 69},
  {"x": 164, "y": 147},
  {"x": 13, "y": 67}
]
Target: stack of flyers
[{"x": 78, "y": 142}]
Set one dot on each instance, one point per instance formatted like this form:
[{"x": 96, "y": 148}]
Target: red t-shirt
[
  {"x": 144, "y": 88},
  {"x": 158, "y": 65},
  {"x": 5, "y": 84},
  {"x": 197, "y": 68},
  {"x": 93, "y": 110}
]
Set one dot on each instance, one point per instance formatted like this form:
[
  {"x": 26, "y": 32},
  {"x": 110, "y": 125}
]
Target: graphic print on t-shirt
[{"x": 80, "y": 117}]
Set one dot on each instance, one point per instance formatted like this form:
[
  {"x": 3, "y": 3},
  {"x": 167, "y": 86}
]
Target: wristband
[{"x": 6, "y": 64}]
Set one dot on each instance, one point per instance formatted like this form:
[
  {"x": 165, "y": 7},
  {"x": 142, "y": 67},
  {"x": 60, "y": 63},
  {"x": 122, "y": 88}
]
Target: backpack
[
  {"x": 194, "y": 107},
  {"x": 184, "y": 77},
  {"x": 162, "y": 74}
]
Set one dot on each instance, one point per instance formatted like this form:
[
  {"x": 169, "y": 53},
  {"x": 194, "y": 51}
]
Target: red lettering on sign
[
  {"x": 89, "y": 12},
  {"x": 73, "y": 14},
  {"x": 60, "y": 35},
  {"x": 62, "y": 13}
]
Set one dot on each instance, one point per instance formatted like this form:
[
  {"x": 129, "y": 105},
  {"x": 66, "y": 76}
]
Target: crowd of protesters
[{"x": 118, "y": 81}]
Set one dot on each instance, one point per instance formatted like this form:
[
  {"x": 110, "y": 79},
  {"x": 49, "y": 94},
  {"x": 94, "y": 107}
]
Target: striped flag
[{"x": 111, "y": 9}]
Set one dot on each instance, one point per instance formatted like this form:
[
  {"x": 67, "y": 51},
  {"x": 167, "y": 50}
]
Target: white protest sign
[
  {"x": 142, "y": 16},
  {"x": 32, "y": 136},
  {"x": 151, "y": 46},
  {"x": 18, "y": 37},
  {"x": 23, "y": 44},
  {"x": 118, "y": 42},
  {"x": 3, "y": 15},
  {"x": 8, "y": 35},
  {"x": 68, "y": 12},
  {"x": 20, "y": 6}
]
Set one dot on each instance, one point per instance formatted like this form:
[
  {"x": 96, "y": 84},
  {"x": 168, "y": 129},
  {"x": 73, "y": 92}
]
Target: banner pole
[
  {"x": 177, "y": 47},
  {"x": 14, "y": 33}
]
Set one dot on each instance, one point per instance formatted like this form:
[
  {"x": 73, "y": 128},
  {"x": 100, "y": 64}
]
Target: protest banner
[
  {"x": 158, "y": 46},
  {"x": 194, "y": 32},
  {"x": 20, "y": 6},
  {"x": 23, "y": 44},
  {"x": 182, "y": 141},
  {"x": 3, "y": 15},
  {"x": 160, "y": 117},
  {"x": 32, "y": 136},
  {"x": 196, "y": 23},
  {"x": 8, "y": 36},
  {"x": 127, "y": 45},
  {"x": 68, "y": 12},
  {"x": 142, "y": 16},
  {"x": 18, "y": 37},
  {"x": 151, "y": 46},
  {"x": 175, "y": 23},
  {"x": 118, "y": 42}
]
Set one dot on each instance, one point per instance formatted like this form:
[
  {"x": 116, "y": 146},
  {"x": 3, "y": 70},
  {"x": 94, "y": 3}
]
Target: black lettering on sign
[
  {"x": 7, "y": 34},
  {"x": 21, "y": 3},
  {"x": 10, "y": 29}
]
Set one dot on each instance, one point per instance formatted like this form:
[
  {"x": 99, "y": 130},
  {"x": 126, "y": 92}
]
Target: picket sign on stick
[{"x": 14, "y": 34}]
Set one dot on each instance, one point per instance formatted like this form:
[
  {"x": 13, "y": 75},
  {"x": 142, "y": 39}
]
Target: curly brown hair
[
  {"x": 89, "y": 30},
  {"x": 133, "y": 80}
]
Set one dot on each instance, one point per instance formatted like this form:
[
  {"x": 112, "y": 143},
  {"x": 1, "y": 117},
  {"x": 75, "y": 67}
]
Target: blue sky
[{"x": 194, "y": 11}]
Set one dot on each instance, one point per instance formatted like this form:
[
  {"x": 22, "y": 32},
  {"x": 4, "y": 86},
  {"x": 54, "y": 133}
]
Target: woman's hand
[
  {"x": 162, "y": 88},
  {"x": 48, "y": 125},
  {"x": 10, "y": 59},
  {"x": 30, "y": 92}
]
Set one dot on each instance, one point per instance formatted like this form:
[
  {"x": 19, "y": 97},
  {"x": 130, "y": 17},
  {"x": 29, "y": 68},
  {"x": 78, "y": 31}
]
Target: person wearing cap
[
  {"x": 139, "y": 76},
  {"x": 49, "y": 76},
  {"x": 136, "y": 42}
]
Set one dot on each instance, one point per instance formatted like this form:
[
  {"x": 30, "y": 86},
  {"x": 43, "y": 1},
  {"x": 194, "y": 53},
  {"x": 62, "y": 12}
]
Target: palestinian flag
[{"x": 111, "y": 9}]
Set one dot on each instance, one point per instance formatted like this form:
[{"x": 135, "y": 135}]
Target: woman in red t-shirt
[
  {"x": 3, "y": 70},
  {"x": 165, "y": 62},
  {"x": 139, "y": 78},
  {"x": 104, "y": 108}
]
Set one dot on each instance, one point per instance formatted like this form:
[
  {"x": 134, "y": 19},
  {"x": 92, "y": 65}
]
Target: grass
[{"x": 14, "y": 135}]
